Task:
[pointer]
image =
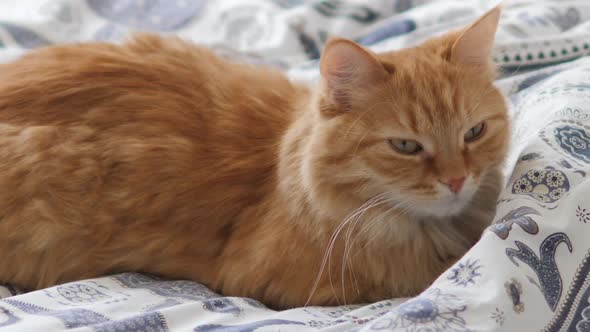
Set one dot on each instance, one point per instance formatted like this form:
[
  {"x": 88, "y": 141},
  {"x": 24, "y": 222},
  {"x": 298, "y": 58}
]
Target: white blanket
[{"x": 529, "y": 272}]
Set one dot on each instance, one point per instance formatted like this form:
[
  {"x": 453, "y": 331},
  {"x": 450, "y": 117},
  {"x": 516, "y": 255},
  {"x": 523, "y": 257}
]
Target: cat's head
[{"x": 423, "y": 125}]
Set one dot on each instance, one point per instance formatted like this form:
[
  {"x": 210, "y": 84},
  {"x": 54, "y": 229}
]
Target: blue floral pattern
[
  {"x": 433, "y": 311},
  {"x": 498, "y": 316},
  {"x": 465, "y": 273},
  {"x": 583, "y": 214}
]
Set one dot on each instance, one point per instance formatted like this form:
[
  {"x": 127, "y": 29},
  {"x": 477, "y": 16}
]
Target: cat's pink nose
[{"x": 455, "y": 184}]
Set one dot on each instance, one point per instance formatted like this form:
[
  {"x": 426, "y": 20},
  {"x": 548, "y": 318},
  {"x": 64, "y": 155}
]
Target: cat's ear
[
  {"x": 346, "y": 69},
  {"x": 474, "y": 45}
]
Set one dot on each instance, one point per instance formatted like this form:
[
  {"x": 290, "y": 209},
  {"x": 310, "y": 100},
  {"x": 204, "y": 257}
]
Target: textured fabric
[{"x": 530, "y": 271}]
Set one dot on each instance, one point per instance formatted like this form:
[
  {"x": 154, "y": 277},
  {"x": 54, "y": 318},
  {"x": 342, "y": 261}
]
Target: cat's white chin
[
  {"x": 442, "y": 208},
  {"x": 448, "y": 204}
]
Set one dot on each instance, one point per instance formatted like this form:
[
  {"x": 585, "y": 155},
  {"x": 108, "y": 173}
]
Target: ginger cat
[{"x": 157, "y": 156}]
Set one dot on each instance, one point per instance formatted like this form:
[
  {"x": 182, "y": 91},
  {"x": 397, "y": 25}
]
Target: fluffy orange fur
[{"x": 157, "y": 156}]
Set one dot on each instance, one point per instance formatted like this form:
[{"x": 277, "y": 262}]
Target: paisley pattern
[
  {"x": 166, "y": 288},
  {"x": 570, "y": 137},
  {"x": 221, "y": 305},
  {"x": 531, "y": 156},
  {"x": 148, "y": 15},
  {"x": 574, "y": 141},
  {"x": 546, "y": 185},
  {"x": 71, "y": 318},
  {"x": 544, "y": 266},
  {"x": 572, "y": 114},
  {"x": 7, "y": 317},
  {"x": 574, "y": 312},
  {"x": 247, "y": 327},
  {"x": 521, "y": 217},
  {"x": 392, "y": 29},
  {"x": 514, "y": 291},
  {"x": 339, "y": 8},
  {"x": 530, "y": 270},
  {"x": 81, "y": 293},
  {"x": 24, "y": 36},
  {"x": 152, "y": 321},
  {"x": 156, "y": 15},
  {"x": 535, "y": 79}
]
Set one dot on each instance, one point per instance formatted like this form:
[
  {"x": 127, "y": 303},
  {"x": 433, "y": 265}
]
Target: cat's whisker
[
  {"x": 349, "y": 244},
  {"x": 516, "y": 70},
  {"x": 352, "y": 224},
  {"x": 349, "y": 248},
  {"x": 349, "y": 232},
  {"x": 387, "y": 201},
  {"x": 370, "y": 223},
  {"x": 395, "y": 207},
  {"x": 325, "y": 258},
  {"x": 409, "y": 206},
  {"x": 330, "y": 246}
]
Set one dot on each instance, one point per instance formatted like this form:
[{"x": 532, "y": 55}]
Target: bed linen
[{"x": 529, "y": 272}]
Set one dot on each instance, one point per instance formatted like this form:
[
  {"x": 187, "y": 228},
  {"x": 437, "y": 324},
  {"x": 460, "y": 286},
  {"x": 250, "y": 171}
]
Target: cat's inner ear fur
[
  {"x": 474, "y": 44},
  {"x": 347, "y": 69}
]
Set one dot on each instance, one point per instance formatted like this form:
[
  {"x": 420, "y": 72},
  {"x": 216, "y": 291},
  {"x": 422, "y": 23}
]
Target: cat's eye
[
  {"x": 406, "y": 146},
  {"x": 475, "y": 132}
]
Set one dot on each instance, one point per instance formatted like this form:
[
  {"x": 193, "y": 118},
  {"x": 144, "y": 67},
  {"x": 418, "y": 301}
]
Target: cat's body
[{"x": 159, "y": 157}]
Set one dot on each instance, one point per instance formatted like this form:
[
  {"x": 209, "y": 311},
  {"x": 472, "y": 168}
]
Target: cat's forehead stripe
[{"x": 434, "y": 101}]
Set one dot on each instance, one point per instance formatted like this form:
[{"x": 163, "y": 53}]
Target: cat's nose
[{"x": 455, "y": 185}]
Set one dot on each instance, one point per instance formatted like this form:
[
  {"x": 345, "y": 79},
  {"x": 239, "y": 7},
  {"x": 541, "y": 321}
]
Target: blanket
[{"x": 529, "y": 272}]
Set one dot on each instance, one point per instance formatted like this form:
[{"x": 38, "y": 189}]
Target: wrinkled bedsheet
[{"x": 529, "y": 272}]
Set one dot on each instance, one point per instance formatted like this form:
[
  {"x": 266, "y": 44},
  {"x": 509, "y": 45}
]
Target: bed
[{"x": 529, "y": 272}]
